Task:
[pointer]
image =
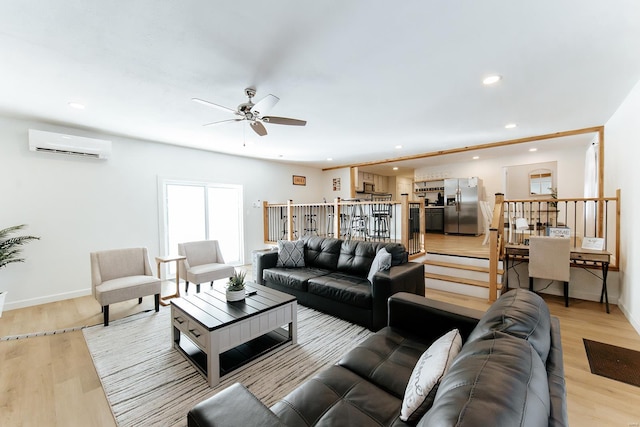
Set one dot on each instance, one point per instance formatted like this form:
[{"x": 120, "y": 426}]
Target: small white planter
[
  {"x": 235, "y": 295},
  {"x": 3, "y": 296}
]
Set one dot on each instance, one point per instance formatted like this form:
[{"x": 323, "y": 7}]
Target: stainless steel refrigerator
[{"x": 462, "y": 214}]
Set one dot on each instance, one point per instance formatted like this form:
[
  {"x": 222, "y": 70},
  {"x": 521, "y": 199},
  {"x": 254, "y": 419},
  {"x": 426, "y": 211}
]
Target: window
[
  {"x": 541, "y": 182},
  {"x": 203, "y": 211}
]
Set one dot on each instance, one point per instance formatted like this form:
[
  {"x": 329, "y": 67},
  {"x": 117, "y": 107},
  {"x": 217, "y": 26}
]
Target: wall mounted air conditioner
[{"x": 51, "y": 142}]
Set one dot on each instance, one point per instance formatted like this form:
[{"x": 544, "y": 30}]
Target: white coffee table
[{"x": 218, "y": 337}]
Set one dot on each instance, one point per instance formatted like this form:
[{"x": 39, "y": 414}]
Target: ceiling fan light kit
[{"x": 253, "y": 113}]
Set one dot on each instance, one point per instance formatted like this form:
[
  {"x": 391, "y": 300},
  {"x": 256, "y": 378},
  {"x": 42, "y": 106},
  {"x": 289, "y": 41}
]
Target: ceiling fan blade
[
  {"x": 284, "y": 121},
  {"x": 265, "y": 104},
  {"x": 211, "y": 104},
  {"x": 259, "y": 128},
  {"x": 223, "y": 121}
]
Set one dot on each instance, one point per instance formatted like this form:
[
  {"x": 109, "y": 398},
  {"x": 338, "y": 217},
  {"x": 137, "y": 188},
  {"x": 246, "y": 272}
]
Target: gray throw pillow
[
  {"x": 290, "y": 254},
  {"x": 382, "y": 261}
]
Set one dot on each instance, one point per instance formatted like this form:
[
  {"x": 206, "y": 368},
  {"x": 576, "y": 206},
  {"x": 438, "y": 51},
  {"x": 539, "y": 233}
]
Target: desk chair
[
  {"x": 549, "y": 258},
  {"x": 487, "y": 215},
  {"x": 204, "y": 263},
  {"x": 122, "y": 274}
]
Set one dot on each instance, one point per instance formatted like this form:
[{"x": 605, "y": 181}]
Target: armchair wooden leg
[
  {"x": 531, "y": 284},
  {"x": 186, "y": 286},
  {"x": 140, "y": 300},
  {"x": 157, "y": 298},
  {"x": 198, "y": 288},
  {"x": 105, "y": 310},
  {"x": 212, "y": 284},
  {"x": 566, "y": 294}
]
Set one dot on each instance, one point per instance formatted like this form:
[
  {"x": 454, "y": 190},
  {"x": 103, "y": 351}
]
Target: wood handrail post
[
  {"x": 290, "y": 230},
  {"x": 265, "y": 220},
  {"x": 423, "y": 229},
  {"x": 336, "y": 218},
  {"x": 617, "y": 248},
  {"x": 404, "y": 233},
  {"x": 497, "y": 224}
]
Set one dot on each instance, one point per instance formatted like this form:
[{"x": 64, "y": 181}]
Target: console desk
[{"x": 579, "y": 256}]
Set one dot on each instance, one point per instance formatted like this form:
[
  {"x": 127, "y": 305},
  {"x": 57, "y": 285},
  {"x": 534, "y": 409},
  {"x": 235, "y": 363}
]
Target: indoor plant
[
  {"x": 235, "y": 286},
  {"x": 10, "y": 248}
]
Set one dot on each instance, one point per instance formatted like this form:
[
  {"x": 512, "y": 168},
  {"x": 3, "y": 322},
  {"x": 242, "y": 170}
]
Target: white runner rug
[{"x": 148, "y": 383}]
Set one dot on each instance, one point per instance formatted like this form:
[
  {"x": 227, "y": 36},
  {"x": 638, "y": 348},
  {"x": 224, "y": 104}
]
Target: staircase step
[
  {"x": 453, "y": 279},
  {"x": 461, "y": 266}
]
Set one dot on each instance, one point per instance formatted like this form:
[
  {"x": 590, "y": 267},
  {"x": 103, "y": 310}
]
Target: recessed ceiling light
[
  {"x": 476, "y": 157},
  {"x": 77, "y": 105},
  {"x": 510, "y": 126},
  {"x": 398, "y": 147},
  {"x": 533, "y": 149},
  {"x": 329, "y": 159},
  {"x": 489, "y": 80},
  {"x": 395, "y": 168}
]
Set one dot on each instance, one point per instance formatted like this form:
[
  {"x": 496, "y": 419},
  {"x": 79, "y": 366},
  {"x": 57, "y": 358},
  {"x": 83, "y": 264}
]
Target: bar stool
[
  {"x": 311, "y": 224},
  {"x": 285, "y": 226},
  {"x": 330, "y": 216}
]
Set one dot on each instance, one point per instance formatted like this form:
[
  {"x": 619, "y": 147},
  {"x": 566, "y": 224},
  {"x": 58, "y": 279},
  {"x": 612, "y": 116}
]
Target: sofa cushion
[
  {"x": 426, "y": 376},
  {"x": 522, "y": 314},
  {"x": 342, "y": 287},
  {"x": 322, "y": 252},
  {"x": 338, "y": 397},
  {"x": 386, "y": 359},
  {"x": 296, "y": 278},
  {"x": 356, "y": 257},
  {"x": 381, "y": 262},
  {"x": 497, "y": 377},
  {"x": 290, "y": 254}
]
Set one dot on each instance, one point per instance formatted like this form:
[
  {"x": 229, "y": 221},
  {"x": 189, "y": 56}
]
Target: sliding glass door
[{"x": 203, "y": 211}]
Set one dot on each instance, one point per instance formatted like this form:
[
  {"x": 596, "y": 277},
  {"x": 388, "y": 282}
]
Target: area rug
[
  {"x": 617, "y": 363},
  {"x": 147, "y": 382}
]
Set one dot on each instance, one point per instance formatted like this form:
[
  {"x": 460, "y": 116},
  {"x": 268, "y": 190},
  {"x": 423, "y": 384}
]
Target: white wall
[
  {"x": 79, "y": 205},
  {"x": 344, "y": 174},
  {"x": 622, "y": 136}
]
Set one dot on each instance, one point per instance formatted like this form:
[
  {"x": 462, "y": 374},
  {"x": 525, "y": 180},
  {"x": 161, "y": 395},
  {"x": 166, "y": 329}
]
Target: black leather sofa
[
  {"x": 509, "y": 372},
  {"x": 334, "y": 278}
]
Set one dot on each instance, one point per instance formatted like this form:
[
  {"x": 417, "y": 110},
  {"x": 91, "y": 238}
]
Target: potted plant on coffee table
[
  {"x": 235, "y": 286},
  {"x": 10, "y": 248}
]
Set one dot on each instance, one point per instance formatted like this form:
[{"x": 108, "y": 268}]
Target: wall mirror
[{"x": 541, "y": 182}]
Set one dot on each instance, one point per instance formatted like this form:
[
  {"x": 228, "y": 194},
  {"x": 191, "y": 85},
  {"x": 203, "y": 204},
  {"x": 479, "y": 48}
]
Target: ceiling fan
[{"x": 253, "y": 113}]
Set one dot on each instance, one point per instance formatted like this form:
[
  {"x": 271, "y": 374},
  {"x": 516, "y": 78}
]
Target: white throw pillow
[
  {"x": 290, "y": 254},
  {"x": 426, "y": 376},
  {"x": 382, "y": 261}
]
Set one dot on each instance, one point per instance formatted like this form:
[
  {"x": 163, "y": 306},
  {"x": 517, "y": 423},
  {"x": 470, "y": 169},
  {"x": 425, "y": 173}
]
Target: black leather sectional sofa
[
  {"x": 334, "y": 278},
  {"x": 509, "y": 372}
]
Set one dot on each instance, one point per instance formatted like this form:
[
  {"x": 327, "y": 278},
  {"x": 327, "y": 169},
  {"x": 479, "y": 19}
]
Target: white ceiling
[{"x": 365, "y": 75}]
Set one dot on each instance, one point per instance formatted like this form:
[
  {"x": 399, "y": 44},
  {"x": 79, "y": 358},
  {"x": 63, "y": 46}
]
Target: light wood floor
[
  {"x": 456, "y": 245},
  {"x": 51, "y": 381}
]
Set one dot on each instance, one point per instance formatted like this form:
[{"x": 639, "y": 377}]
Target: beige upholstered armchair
[
  {"x": 204, "y": 263},
  {"x": 122, "y": 274}
]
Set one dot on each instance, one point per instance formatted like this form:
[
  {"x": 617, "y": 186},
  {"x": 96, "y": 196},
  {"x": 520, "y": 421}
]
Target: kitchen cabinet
[{"x": 434, "y": 219}]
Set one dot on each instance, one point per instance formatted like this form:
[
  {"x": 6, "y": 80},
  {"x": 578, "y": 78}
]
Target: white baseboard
[
  {"x": 634, "y": 322},
  {"x": 45, "y": 299}
]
